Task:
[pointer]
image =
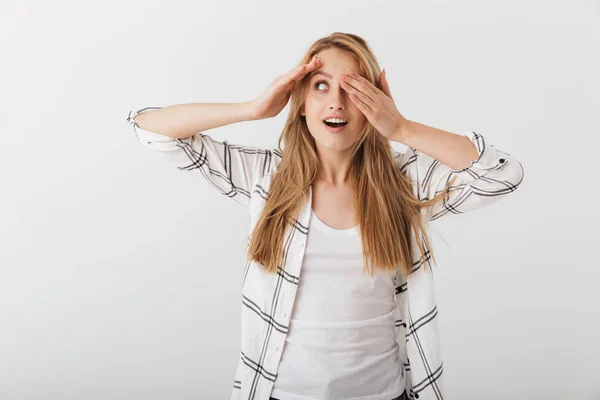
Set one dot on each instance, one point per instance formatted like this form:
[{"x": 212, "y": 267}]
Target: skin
[
  {"x": 347, "y": 93},
  {"x": 333, "y": 200},
  {"x": 330, "y": 98}
]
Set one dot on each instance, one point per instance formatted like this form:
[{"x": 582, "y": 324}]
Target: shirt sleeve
[
  {"x": 234, "y": 170},
  {"x": 492, "y": 176}
]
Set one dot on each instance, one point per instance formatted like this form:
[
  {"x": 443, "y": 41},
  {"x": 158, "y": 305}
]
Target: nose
[{"x": 338, "y": 97}]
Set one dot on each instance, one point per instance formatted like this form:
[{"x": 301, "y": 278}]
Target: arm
[
  {"x": 232, "y": 169},
  {"x": 184, "y": 120},
  {"x": 484, "y": 173},
  {"x": 452, "y": 150}
]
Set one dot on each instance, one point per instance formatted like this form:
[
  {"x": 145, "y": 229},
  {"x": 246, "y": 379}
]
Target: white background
[{"x": 120, "y": 277}]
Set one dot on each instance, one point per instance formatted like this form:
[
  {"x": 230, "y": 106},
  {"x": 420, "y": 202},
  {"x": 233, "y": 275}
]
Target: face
[{"x": 326, "y": 97}]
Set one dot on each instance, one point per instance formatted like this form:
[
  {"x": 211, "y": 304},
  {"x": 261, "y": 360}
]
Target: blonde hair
[{"x": 384, "y": 203}]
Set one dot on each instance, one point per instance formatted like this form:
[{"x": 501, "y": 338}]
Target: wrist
[
  {"x": 248, "y": 111},
  {"x": 404, "y": 130}
]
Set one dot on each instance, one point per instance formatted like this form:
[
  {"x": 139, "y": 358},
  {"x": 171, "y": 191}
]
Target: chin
[{"x": 335, "y": 143}]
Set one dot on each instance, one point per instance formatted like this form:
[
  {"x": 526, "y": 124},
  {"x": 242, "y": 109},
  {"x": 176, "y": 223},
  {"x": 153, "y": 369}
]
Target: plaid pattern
[{"x": 242, "y": 173}]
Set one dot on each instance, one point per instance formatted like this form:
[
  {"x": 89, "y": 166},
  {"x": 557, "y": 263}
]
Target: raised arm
[
  {"x": 177, "y": 132},
  {"x": 181, "y": 121},
  {"x": 233, "y": 169},
  {"x": 491, "y": 175}
]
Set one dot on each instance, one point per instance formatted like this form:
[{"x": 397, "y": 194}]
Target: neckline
[{"x": 336, "y": 232}]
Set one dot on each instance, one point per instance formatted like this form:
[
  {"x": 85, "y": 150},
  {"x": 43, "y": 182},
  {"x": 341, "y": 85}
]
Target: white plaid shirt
[{"x": 241, "y": 173}]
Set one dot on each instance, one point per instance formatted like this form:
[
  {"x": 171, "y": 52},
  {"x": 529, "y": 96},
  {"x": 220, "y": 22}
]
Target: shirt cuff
[
  {"x": 142, "y": 134},
  {"x": 489, "y": 158}
]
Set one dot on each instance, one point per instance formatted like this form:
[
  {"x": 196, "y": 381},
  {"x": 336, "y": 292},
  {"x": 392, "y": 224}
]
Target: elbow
[{"x": 515, "y": 174}]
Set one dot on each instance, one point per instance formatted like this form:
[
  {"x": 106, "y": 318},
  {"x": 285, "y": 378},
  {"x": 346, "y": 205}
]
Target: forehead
[
  {"x": 336, "y": 62},
  {"x": 317, "y": 74},
  {"x": 320, "y": 72}
]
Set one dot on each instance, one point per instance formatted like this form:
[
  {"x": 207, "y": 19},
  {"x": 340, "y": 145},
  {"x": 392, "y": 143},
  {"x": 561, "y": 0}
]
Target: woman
[{"x": 340, "y": 205}]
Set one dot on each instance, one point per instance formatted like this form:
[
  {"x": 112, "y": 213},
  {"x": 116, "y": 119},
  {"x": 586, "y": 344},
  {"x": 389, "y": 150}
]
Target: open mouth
[{"x": 335, "y": 124}]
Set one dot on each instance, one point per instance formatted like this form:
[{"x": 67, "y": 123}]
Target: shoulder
[{"x": 404, "y": 158}]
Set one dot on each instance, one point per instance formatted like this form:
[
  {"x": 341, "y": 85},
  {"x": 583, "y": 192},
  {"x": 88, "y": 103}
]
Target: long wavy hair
[{"x": 384, "y": 203}]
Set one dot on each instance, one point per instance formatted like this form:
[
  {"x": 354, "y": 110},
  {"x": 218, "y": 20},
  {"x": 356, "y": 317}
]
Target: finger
[
  {"x": 361, "y": 104},
  {"x": 363, "y": 107},
  {"x": 384, "y": 84},
  {"x": 290, "y": 78},
  {"x": 354, "y": 91},
  {"x": 299, "y": 72},
  {"x": 363, "y": 85}
]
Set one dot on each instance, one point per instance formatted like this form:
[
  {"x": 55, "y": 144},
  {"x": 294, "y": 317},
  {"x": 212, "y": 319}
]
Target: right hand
[{"x": 276, "y": 96}]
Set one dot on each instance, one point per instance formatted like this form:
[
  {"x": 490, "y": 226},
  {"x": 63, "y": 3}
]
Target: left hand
[{"x": 378, "y": 106}]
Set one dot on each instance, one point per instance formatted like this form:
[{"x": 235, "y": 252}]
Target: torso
[
  {"x": 342, "y": 338},
  {"x": 334, "y": 206}
]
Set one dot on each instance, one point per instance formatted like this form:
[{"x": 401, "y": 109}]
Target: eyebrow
[{"x": 322, "y": 73}]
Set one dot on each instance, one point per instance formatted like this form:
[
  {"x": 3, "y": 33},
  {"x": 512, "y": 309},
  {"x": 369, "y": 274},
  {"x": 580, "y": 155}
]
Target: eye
[{"x": 318, "y": 83}]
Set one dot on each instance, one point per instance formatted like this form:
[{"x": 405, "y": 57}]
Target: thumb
[{"x": 384, "y": 83}]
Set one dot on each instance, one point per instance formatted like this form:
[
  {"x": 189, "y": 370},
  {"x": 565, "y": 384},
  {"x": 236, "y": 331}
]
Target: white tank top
[{"x": 341, "y": 340}]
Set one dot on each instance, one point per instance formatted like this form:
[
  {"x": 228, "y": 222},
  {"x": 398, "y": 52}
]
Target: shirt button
[{"x": 502, "y": 160}]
